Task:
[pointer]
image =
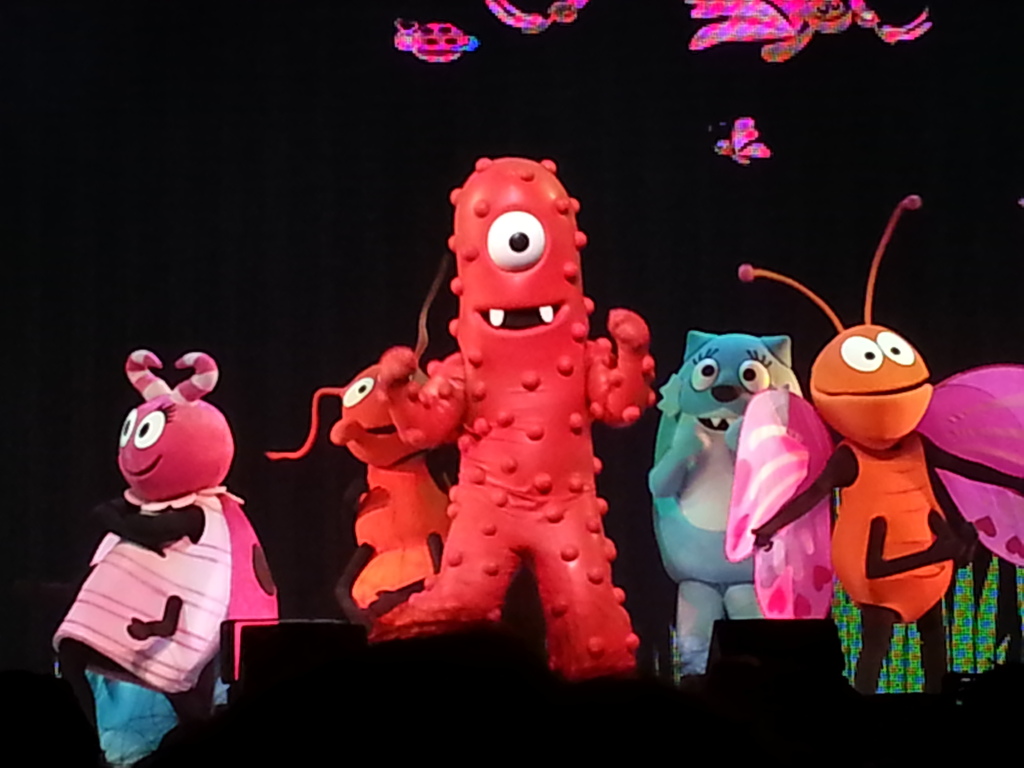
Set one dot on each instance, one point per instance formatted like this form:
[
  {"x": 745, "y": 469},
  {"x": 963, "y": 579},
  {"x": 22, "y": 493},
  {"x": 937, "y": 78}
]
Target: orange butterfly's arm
[
  {"x": 840, "y": 472},
  {"x": 947, "y": 546}
]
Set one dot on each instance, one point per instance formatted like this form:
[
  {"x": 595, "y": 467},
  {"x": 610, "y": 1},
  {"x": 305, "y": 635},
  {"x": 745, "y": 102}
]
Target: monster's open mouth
[
  {"x": 145, "y": 470},
  {"x": 718, "y": 425},
  {"x": 519, "y": 319},
  {"x": 387, "y": 429}
]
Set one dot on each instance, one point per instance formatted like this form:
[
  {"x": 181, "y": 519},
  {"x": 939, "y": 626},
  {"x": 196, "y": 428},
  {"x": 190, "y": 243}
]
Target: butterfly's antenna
[
  {"x": 748, "y": 274},
  {"x": 424, "y": 337},
  {"x": 912, "y": 202}
]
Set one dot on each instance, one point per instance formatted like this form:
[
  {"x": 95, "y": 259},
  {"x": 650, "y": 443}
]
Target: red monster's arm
[
  {"x": 427, "y": 415},
  {"x": 618, "y": 384}
]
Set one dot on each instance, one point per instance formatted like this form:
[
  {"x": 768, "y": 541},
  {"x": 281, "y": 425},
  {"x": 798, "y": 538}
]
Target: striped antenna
[
  {"x": 199, "y": 383},
  {"x": 147, "y": 383}
]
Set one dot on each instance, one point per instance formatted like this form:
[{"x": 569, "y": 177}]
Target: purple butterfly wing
[
  {"x": 978, "y": 415},
  {"x": 783, "y": 447}
]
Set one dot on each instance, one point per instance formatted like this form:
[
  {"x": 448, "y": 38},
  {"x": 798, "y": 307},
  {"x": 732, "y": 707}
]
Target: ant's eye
[
  {"x": 705, "y": 373},
  {"x": 862, "y": 354},
  {"x": 357, "y": 392},
  {"x": 896, "y": 348},
  {"x": 129, "y": 425}
]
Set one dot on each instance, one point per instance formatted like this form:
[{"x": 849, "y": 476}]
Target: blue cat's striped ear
[
  {"x": 694, "y": 341},
  {"x": 669, "y": 403},
  {"x": 781, "y": 347}
]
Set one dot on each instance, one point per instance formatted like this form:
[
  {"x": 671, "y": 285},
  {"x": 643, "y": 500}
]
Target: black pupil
[
  {"x": 869, "y": 355},
  {"x": 749, "y": 374},
  {"x": 894, "y": 351},
  {"x": 707, "y": 370},
  {"x": 362, "y": 389},
  {"x": 144, "y": 430},
  {"x": 519, "y": 242}
]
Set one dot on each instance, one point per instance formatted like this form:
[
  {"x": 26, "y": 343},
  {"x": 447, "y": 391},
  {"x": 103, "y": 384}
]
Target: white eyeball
[
  {"x": 896, "y": 348},
  {"x": 705, "y": 373},
  {"x": 357, "y": 392},
  {"x": 129, "y": 425},
  {"x": 862, "y": 354},
  {"x": 516, "y": 240},
  {"x": 150, "y": 429},
  {"x": 754, "y": 376}
]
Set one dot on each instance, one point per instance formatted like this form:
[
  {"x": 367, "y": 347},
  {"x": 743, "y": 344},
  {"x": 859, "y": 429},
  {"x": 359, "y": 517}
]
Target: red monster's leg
[
  {"x": 476, "y": 568},
  {"x": 589, "y": 632}
]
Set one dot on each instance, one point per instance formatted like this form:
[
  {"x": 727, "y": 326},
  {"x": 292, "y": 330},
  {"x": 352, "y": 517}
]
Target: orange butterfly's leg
[
  {"x": 877, "y": 625},
  {"x": 933, "y": 648}
]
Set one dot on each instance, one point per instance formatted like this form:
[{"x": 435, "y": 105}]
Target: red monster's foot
[{"x": 409, "y": 620}]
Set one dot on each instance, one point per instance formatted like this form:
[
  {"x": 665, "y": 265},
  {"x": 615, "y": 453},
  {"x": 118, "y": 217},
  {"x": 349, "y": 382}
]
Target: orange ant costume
[{"x": 898, "y": 532}]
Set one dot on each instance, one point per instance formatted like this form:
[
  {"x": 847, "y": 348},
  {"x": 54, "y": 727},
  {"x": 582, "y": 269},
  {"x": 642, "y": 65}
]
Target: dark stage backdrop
[{"x": 268, "y": 181}]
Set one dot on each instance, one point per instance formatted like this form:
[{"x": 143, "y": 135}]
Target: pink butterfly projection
[
  {"x": 790, "y": 22},
  {"x": 742, "y": 146},
  {"x": 562, "y": 12}
]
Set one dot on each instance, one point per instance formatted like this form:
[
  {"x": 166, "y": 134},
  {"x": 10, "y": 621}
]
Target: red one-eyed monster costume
[
  {"x": 520, "y": 397},
  {"x": 181, "y": 557}
]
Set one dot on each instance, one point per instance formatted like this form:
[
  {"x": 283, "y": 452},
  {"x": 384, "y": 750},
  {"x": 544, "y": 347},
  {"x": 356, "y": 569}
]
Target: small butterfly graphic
[{"x": 741, "y": 147}]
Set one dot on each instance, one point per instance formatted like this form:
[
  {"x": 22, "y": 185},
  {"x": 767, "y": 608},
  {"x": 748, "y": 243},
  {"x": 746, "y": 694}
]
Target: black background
[{"x": 268, "y": 182}]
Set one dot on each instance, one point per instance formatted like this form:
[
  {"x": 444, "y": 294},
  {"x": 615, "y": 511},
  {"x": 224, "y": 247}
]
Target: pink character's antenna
[
  {"x": 199, "y": 383},
  {"x": 145, "y": 381}
]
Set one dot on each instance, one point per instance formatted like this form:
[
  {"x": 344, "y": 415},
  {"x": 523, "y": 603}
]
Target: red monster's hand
[
  {"x": 619, "y": 384},
  {"x": 397, "y": 365},
  {"x": 427, "y": 415}
]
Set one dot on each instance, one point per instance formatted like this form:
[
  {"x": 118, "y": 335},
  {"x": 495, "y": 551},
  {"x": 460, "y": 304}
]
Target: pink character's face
[
  {"x": 169, "y": 449},
  {"x": 830, "y": 16},
  {"x": 518, "y": 251}
]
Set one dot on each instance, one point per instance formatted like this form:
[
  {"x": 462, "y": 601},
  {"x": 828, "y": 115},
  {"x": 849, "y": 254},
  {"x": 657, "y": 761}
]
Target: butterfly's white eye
[
  {"x": 862, "y": 354},
  {"x": 896, "y": 348},
  {"x": 129, "y": 425},
  {"x": 150, "y": 429},
  {"x": 357, "y": 392},
  {"x": 705, "y": 373},
  {"x": 754, "y": 376},
  {"x": 516, "y": 240}
]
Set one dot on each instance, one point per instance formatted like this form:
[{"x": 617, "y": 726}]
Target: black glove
[{"x": 153, "y": 532}]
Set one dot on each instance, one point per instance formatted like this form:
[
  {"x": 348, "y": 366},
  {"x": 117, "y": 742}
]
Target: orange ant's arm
[
  {"x": 947, "y": 546},
  {"x": 840, "y": 472},
  {"x": 971, "y": 470}
]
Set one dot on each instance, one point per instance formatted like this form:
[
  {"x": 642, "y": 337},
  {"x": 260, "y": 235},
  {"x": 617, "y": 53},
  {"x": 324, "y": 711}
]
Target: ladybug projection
[
  {"x": 180, "y": 558},
  {"x": 401, "y": 519},
  {"x": 434, "y": 43},
  {"x": 915, "y": 462},
  {"x": 519, "y": 397}
]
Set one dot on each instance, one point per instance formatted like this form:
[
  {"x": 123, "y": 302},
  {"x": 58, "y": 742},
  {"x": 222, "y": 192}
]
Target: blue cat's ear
[
  {"x": 669, "y": 404},
  {"x": 781, "y": 347},
  {"x": 694, "y": 341}
]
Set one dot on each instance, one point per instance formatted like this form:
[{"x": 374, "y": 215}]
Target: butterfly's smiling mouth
[
  {"x": 145, "y": 470},
  {"x": 896, "y": 391}
]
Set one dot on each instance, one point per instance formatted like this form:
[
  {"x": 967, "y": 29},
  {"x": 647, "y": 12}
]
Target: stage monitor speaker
[
  {"x": 779, "y": 645},
  {"x": 256, "y": 655}
]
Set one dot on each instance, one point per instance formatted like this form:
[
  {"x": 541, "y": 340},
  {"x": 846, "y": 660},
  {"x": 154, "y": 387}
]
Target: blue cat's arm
[{"x": 668, "y": 476}]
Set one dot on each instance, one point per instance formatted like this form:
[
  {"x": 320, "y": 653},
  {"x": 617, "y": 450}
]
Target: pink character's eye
[
  {"x": 150, "y": 429},
  {"x": 129, "y": 426},
  {"x": 516, "y": 240}
]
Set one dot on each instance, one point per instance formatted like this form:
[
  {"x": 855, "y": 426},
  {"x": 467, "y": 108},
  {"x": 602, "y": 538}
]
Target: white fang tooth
[
  {"x": 547, "y": 313},
  {"x": 721, "y": 424},
  {"x": 496, "y": 317}
]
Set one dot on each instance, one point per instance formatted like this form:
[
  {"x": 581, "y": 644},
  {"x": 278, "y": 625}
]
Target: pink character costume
[
  {"x": 520, "y": 397},
  {"x": 181, "y": 557}
]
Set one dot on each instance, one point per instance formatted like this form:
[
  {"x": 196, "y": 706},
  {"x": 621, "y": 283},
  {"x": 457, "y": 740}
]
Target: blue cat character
[{"x": 691, "y": 480}]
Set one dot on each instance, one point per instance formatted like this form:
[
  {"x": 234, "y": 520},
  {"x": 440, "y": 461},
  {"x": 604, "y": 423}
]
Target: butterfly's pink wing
[
  {"x": 978, "y": 415},
  {"x": 783, "y": 447},
  {"x": 743, "y": 21}
]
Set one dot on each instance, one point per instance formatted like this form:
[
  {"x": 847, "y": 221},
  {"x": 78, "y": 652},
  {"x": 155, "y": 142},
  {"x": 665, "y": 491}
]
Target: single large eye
[
  {"x": 896, "y": 348},
  {"x": 150, "y": 429},
  {"x": 754, "y": 376},
  {"x": 705, "y": 373},
  {"x": 515, "y": 240},
  {"x": 862, "y": 354},
  {"x": 357, "y": 392},
  {"x": 129, "y": 425}
]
